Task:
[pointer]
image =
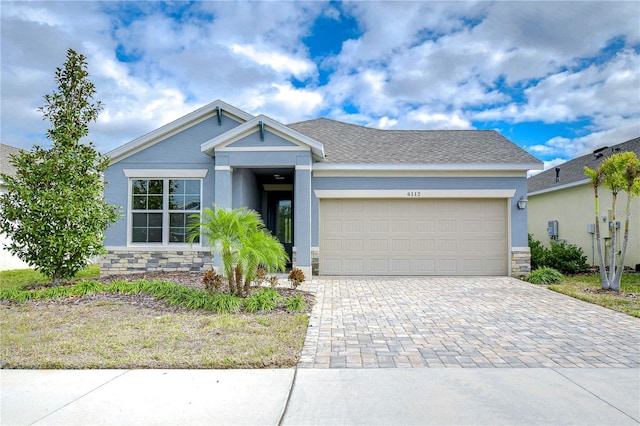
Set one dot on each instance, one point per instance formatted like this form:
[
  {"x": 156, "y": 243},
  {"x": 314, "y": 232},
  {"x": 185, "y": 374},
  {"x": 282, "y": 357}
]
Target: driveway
[{"x": 478, "y": 322}]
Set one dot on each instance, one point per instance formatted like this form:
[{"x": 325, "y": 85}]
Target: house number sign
[{"x": 413, "y": 194}]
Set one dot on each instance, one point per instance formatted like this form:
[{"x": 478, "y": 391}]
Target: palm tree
[
  {"x": 596, "y": 177},
  {"x": 629, "y": 169},
  {"x": 620, "y": 172},
  {"x": 242, "y": 241}
]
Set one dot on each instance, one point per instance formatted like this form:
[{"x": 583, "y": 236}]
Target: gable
[
  {"x": 263, "y": 134},
  {"x": 225, "y": 117}
]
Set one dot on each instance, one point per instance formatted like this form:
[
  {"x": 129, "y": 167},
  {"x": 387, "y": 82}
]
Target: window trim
[{"x": 166, "y": 225}]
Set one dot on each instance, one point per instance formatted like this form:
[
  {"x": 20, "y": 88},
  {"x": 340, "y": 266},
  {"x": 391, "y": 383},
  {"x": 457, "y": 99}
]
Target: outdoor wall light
[{"x": 522, "y": 203}]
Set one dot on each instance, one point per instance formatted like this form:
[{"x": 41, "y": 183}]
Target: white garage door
[{"x": 413, "y": 237}]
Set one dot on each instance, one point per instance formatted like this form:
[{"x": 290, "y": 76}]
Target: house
[
  {"x": 342, "y": 198},
  {"x": 7, "y": 260},
  {"x": 562, "y": 206}
]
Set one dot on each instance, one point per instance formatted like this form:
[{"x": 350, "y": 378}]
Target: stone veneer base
[
  {"x": 139, "y": 261},
  {"x": 520, "y": 262}
]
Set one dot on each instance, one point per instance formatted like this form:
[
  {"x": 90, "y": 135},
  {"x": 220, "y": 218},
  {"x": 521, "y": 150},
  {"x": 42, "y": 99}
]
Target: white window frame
[{"x": 165, "y": 175}]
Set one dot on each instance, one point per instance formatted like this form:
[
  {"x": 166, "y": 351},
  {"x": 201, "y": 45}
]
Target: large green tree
[
  {"x": 54, "y": 210},
  {"x": 618, "y": 173}
]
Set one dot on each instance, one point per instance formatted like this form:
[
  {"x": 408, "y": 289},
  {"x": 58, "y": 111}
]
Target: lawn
[
  {"x": 19, "y": 278},
  {"x": 120, "y": 330},
  {"x": 589, "y": 289}
]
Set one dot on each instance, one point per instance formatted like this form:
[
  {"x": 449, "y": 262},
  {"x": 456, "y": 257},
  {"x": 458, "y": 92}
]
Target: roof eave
[
  {"x": 428, "y": 167},
  {"x": 560, "y": 187}
]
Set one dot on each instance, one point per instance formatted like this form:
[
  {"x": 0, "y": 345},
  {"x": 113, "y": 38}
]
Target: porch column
[
  {"x": 222, "y": 196},
  {"x": 302, "y": 218}
]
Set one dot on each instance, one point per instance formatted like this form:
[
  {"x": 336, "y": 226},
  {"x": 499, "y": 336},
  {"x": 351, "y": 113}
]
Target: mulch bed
[{"x": 187, "y": 279}]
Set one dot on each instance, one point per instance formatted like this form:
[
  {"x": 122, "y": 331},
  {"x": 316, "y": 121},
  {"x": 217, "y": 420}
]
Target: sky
[{"x": 560, "y": 79}]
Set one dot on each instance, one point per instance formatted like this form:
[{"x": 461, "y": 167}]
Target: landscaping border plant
[{"x": 264, "y": 299}]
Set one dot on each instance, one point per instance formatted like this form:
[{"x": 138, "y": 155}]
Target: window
[{"x": 160, "y": 209}]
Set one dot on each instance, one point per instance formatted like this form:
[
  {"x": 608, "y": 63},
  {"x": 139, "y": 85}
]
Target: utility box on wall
[{"x": 552, "y": 229}]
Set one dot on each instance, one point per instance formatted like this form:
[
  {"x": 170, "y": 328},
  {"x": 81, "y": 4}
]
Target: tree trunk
[
  {"x": 55, "y": 279},
  {"x": 612, "y": 225},
  {"x": 603, "y": 270},
  {"x": 615, "y": 285},
  {"x": 238, "y": 280}
]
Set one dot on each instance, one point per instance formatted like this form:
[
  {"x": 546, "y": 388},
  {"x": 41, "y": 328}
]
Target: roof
[
  {"x": 572, "y": 172},
  {"x": 354, "y": 144},
  {"x": 6, "y": 151}
]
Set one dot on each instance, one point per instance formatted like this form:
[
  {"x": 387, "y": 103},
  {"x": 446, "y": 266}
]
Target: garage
[{"x": 415, "y": 236}]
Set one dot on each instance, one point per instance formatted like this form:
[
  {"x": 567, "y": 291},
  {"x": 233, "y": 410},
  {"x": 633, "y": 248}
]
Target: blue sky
[{"x": 559, "y": 79}]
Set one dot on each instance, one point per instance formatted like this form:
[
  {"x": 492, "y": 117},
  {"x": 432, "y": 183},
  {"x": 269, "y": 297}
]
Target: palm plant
[
  {"x": 242, "y": 241},
  {"x": 620, "y": 172}
]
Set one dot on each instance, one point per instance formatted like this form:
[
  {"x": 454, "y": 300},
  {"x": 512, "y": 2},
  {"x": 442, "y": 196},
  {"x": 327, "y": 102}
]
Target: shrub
[
  {"x": 225, "y": 303},
  {"x": 263, "y": 300},
  {"x": 261, "y": 276},
  {"x": 538, "y": 253},
  {"x": 296, "y": 277},
  {"x": 212, "y": 280},
  {"x": 273, "y": 281},
  {"x": 295, "y": 304},
  {"x": 566, "y": 258},
  {"x": 545, "y": 275}
]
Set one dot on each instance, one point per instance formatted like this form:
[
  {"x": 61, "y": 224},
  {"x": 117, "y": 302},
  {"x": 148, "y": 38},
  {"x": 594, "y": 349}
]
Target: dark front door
[{"x": 280, "y": 218}]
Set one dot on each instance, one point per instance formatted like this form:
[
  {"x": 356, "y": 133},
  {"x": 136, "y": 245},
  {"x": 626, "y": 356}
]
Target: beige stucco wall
[{"x": 574, "y": 209}]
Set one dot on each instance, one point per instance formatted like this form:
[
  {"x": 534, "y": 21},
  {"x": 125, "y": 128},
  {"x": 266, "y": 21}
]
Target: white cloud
[
  {"x": 416, "y": 65},
  {"x": 279, "y": 62}
]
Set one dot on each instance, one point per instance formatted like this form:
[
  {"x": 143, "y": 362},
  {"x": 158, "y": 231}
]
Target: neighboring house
[
  {"x": 343, "y": 199},
  {"x": 562, "y": 206},
  {"x": 7, "y": 260}
]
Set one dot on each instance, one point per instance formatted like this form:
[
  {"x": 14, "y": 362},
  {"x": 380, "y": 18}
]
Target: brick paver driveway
[{"x": 369, "y": 322}]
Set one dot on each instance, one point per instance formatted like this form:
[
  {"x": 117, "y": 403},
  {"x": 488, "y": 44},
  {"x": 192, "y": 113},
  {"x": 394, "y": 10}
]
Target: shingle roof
[
  {"x": 573, "y": 170},
  {"x": 353, "y": 144},
  {"x": 5, "y": 165}
]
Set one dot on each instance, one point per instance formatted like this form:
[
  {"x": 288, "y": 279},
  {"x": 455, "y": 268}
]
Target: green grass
[
  {"x": 20, "y": 278},
  {"x": 117, "y": 333},
  {"x": 588, "y": 288},
  {"x": 114, "y": 334}
]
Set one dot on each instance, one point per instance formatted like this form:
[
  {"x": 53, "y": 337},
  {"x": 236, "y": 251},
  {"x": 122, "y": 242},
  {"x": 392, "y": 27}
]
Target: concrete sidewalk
[{"x": 529, "y": 396}]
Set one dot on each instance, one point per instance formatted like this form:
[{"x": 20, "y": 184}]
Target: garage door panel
[
  {"x": 447, "y": 226},
  {"x": 447, "y": 266},
  {"x": 426, "y": 266},
  {"x": 425, "y": 226},
  {"x": 493, "y": 226},
  {"x": 374, "y": 226},
  {"x": 379, "y": 245},
  {"x": 333, "y": 226},
  {"x": 379, "y": 266},
  {"x": 401, "y": 245},
  {"x": 424, "y": 246},
  {"x": 413, "y": 237},
  {"x": 352, "y": 226},
  {"x": 353, "y": 246},
  {"x": 447, "y": 246},
  {"x": 353, "y": 266}
]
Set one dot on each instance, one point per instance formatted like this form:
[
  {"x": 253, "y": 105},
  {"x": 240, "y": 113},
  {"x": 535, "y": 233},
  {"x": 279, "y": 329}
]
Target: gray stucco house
[{"x": 342, "y": 198}]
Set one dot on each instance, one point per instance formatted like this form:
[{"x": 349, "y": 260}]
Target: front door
[{"x": 280, "y": 218}]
